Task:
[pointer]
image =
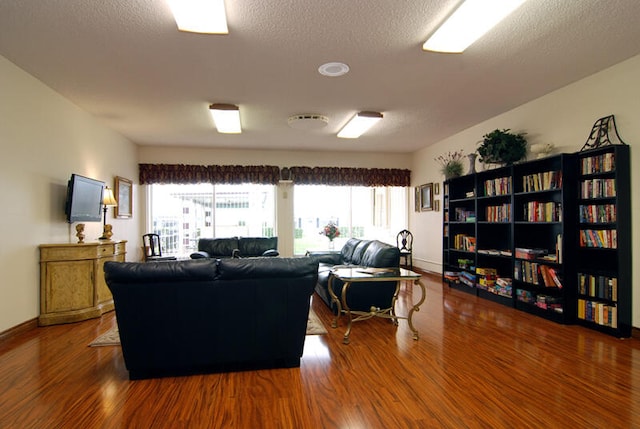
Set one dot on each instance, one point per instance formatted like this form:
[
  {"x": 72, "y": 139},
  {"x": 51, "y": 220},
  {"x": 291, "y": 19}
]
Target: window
[
  {"x": 360, "y": 212},
  {"x": 181, "y": 214}
]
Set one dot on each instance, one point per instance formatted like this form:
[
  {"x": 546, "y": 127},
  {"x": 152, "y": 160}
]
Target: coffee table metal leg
[
  {"x": 347, "y": 333},
  {"x": 416, "y": 307},
  {"x": 334, "y": 298}
]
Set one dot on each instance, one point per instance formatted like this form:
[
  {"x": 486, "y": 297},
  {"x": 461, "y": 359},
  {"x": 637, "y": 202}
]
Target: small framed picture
[
  {"x": 426, "y": 197},
  {"x": 124, "y": 195},
  {"x": 436, "y": 188},
  {"x": 436, "y": 205}
]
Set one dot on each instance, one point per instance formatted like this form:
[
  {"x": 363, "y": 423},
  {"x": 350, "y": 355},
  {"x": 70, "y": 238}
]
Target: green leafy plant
[
  {"x": 451, "y": 164},
  {"x": 502, "y": 147}
]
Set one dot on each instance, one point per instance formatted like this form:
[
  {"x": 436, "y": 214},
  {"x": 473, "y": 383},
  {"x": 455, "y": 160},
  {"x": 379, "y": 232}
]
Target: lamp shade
[{"x": 108, "y": 199}]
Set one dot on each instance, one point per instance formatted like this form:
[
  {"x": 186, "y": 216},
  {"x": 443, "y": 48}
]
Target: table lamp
[{"x": 108, "y": 200}]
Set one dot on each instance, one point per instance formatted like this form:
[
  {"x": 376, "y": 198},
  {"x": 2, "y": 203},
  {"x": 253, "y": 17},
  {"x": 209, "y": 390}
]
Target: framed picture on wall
[
  {"x": 124, "y": 195},
  {"x": 426, "y": 197}
]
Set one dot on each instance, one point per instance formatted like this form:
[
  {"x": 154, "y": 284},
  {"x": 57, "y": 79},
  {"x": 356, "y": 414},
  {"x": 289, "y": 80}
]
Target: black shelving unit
[
  {"x": 544, "y": 202},
  {"x": 603, "y": 243},
  {"x": 520, "y": 220},
  {"x": 494, "y": 190},
  {"x": 459, "y": 224}
]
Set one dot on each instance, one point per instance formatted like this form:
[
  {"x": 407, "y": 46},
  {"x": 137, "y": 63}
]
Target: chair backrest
[
  {"x": 151, "y": 243},
  {"x": 404, "y": 240}
]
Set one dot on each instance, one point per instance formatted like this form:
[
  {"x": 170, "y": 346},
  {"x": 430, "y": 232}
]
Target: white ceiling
[{"x": 125, "y": 62}]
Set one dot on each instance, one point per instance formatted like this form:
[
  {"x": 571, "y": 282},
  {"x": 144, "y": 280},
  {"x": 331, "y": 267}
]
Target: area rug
[{"x": 112, "y": 337}]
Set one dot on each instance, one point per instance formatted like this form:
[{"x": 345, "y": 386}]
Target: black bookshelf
[
  {"x": 459, "y": 226},
  {"x": 603, "y": 243},
  {"x": 544, "y": 230},
  {"x": 516, "y": 208}
]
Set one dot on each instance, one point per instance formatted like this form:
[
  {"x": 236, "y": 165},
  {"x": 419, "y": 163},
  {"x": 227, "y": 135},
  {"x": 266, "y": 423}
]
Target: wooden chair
[
  {"x": 152, "y": 248},
  {"x": 404, "y": 241}
]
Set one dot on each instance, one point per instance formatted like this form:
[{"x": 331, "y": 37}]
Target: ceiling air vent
[{"x": 308, "y": 122}]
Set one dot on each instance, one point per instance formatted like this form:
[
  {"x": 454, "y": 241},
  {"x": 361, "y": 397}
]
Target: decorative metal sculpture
[{"x": 599, "y": 135}]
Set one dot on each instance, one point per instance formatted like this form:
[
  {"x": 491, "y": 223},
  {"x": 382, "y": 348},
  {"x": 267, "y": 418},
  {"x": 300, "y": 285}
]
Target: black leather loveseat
[
  {"x": 208, "y": 315},
  {"x": 236, "y": 247},
  {"x": 356, "y": 252}
]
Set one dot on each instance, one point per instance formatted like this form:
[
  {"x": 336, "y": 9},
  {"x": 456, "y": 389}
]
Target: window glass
[
  {"x": 361, "y": 212},
  {"x": 181, "y": 214}
]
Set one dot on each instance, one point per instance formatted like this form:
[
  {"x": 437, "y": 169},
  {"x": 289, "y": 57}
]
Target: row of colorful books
[
  {"x": 463, "y": 215},
  {"x": 484, "y": 278},
  {"x": 543, "y": 181},
  {"x": 536, "y": 273},
  {"x": 598, "y": 213},
  {"x": 598, "y": 188},
  {"x": 597, "y": 286},
  {"x": 602, "y": 238},
  {"x": 464, "y": 242},
  {"x": 498, "y": 186},
  {"x": 598, "y": 164},
  {"x": 598, "y": 312},
  {"x": 501, "y": 213},
  {"x": 539, "y": 211},
  {"x": 540, "y": 300}
]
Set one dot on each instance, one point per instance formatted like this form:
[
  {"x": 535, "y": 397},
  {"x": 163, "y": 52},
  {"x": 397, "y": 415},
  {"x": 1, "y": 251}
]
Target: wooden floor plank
[{"x": 477, "y": 364}]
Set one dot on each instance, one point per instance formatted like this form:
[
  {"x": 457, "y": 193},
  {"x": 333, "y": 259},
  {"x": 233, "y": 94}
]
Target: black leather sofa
[
  {"x": 356, "y": 252},
  {"x": 236, "y": 247},
  {"x": 198, "y": 316}
]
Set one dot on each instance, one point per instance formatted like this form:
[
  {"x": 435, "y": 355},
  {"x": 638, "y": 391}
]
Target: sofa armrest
[
  {"x": 200, "y": 254},
  {"x": 333, "y": 257},
  {"x": 270, "y": 252}
]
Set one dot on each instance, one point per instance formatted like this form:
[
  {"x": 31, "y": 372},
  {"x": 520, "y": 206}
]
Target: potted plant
[
  {"x": 502, "y": 147},
  {"x": 451, "y": 164}
]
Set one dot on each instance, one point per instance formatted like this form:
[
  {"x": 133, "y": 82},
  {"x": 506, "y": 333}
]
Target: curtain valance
[
  {"x": 270, "y": 175},
  {"x": 219, "y": 174}
]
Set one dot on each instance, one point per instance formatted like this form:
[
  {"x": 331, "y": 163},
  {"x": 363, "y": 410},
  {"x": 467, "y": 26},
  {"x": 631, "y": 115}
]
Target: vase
[
  {"x": 472, "y": 162},
  {"x": 331, "y": 245}
]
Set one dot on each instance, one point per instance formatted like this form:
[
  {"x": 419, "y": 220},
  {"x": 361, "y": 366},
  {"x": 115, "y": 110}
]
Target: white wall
[
  {"x": 564, "y": 118},
  {"x": 44, "y": 138},
  {"x": 284, "y": 203}
]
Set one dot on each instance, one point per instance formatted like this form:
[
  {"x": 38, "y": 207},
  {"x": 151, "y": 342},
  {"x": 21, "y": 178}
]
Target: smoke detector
[{"x": 308, "y": 122}]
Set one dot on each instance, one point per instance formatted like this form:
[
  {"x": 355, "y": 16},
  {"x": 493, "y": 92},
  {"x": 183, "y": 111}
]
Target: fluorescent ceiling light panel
[
  {"x": 468, "y": 23},
  {"x": 200, "y": 16},
  {"x": 359, "y": 124},
  {"x": 226, "y": 118}
]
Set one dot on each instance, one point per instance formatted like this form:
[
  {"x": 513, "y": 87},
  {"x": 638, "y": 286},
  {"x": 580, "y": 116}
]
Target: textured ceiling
[{"x": 125, "y": 62}]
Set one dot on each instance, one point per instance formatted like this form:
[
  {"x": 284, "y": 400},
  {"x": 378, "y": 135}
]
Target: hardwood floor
[{"x": 477, "y": 364}]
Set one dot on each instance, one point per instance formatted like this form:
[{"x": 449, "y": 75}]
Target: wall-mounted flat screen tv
[{"x": 84, "y": 199}]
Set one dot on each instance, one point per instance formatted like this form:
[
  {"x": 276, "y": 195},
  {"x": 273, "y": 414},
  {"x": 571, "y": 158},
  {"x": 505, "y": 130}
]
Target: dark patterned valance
[
  {"x": 269, "y": 175},
  {"x": 216, "y": 174},
  {"x": 350, "y": 176}
]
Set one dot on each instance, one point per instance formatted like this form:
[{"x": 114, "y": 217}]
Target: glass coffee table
[{"x": 352, "y": 275}]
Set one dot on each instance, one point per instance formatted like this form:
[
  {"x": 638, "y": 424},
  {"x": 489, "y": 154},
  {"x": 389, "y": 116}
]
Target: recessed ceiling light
[{"x": 333, "y": 69}]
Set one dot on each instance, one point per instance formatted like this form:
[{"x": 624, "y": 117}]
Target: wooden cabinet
[{"x": 72, "y": 285}]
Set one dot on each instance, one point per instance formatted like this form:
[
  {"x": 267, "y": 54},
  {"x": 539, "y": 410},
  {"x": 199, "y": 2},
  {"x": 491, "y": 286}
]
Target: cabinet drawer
[
  {"x": 120, "y": 248},
  {"x": 68, "y": 253}
]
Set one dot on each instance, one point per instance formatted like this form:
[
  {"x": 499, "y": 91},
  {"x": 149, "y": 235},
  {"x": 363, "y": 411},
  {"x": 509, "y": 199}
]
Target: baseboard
[{"x": 18, "y": 329}]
